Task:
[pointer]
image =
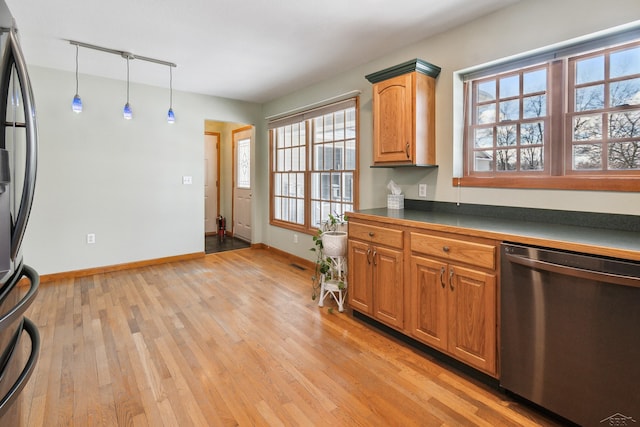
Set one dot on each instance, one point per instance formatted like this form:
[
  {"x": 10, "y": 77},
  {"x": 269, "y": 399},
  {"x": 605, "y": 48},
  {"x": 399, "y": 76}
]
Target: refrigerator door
[
  {"x": 18, "y": 151},
  {"x": 19, "y": 137}
]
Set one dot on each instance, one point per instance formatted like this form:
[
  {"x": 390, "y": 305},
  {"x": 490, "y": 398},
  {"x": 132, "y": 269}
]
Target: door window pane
[{"x": 244, "y": 163}]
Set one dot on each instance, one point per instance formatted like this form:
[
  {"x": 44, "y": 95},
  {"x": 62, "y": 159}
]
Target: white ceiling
[{"x": 252, "y": 50}]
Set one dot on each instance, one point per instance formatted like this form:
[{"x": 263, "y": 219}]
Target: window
[
  {"x": 509, "y": 122},
  {"x": 313, "y": 161},
  {"x": 569, "y": 121},
  {"x": 604, "y": 110}
]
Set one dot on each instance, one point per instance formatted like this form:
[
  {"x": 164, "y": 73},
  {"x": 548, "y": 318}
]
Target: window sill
[
  {"x": 293, "y": 227},
  {"x": 595, "y": 183}
]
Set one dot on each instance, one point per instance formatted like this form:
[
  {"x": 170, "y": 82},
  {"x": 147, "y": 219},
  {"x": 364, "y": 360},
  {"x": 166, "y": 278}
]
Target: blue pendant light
[
  {"x": 171, "y": 118},
  {"x": 76, "y": 104},
  {"x": 127, "y": 113}
]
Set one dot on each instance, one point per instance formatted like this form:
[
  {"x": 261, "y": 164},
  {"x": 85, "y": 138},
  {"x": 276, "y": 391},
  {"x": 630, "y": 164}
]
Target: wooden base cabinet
[
  {"x": 439, "y": 288},
  {"x": 454, "y": 310},
  {"x": 375, "y": 274}
]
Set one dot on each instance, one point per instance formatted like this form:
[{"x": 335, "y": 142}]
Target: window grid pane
[
  {"x": 289, "y": 149},
  {"x": 508, "y": 136},
  {"x": 334, "y": 151},
  {"x": 605, "y": 88}
]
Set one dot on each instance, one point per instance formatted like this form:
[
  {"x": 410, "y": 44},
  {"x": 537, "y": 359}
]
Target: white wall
[
  {"x": 122, "y": 180},
  {"x": 525, "y": 26}
]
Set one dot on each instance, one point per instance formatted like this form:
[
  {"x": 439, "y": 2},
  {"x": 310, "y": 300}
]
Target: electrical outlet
[
  {"x": 295, "y": 238},
  {"x": 187, "y": 180},
  {"x": 91, "y": 238},
  {"x": 422, "y": 191}
]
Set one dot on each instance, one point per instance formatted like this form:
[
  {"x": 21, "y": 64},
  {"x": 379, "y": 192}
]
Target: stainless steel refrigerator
[{"x": 19, "y": 339}]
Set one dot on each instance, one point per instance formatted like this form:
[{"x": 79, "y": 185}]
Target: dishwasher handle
[{"x": 574, "y": 271}]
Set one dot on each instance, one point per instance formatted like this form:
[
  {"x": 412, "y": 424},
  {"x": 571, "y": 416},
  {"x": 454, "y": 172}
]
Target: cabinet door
[
  {"x": 429, "y": 288},
  {"x": 393, "y": 120},
  {"x": 472, "y": 317},
  {"x": 359, "y": 276},
  {"x": 388, "y": 285}
]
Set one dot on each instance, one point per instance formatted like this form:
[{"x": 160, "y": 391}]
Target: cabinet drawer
[
  {"x": 471, "y": 253},
  {"x": 377, "y": 235}
]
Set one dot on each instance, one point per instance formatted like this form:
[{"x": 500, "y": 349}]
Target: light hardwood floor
[{"x": 234, "y": 339}]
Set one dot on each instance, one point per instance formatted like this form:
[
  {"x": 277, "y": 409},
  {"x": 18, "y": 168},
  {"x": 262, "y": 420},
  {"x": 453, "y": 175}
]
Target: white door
[
  {"x": 211, "y": 180},
  {"x": 242, "y": 183}
]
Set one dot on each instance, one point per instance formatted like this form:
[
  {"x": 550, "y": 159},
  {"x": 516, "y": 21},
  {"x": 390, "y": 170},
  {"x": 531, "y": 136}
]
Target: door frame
[{"x": 218, "y": 134}]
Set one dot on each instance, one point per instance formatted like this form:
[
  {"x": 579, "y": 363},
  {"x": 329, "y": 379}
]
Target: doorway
[{"x": 220, "y": 192}]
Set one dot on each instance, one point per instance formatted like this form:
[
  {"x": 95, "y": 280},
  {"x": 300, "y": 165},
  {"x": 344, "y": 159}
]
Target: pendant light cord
[
  {"x": 127, "y": 79},
  {"x": 77, "y": 47},
  {"x": 170, "y": 87}
]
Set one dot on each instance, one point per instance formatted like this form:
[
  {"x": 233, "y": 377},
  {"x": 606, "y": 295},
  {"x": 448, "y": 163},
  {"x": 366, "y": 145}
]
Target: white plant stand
[{"x": 334, "y": 282}]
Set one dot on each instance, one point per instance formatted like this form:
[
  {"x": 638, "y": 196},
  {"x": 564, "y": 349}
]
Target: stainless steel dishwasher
[{"x": 570, "y": 333}]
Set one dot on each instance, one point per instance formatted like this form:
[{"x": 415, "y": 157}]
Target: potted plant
[
  {"x": 334, "y": 241},
  {"x": 330, "y": 241}
]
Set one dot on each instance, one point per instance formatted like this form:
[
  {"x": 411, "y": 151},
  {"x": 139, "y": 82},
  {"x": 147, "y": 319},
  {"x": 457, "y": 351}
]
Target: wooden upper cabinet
[
  {"x": 392, "y": 120},
  {"x": 404, "y": 114}
]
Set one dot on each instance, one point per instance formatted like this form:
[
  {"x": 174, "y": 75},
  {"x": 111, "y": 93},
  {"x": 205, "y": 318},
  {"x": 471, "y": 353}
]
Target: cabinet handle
[
  {"x": 369, "y": 256},
  {"x": 406, "y": 149},
  {"x": 375, "y": 254},
  {"x": 442, "y": 269},
  {"x": 371, "y": 234},
  {"x": 451, "y": 273},
  {"x": 445, "y": 248}
]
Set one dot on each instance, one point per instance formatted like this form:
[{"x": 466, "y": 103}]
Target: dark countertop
[{"x": 592, "y": 240}]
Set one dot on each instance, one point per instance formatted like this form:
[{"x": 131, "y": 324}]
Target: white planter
[{"x": 334, "y": 243}]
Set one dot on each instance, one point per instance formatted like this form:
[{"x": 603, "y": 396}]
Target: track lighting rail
[{"x": 122, "y": 53}]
